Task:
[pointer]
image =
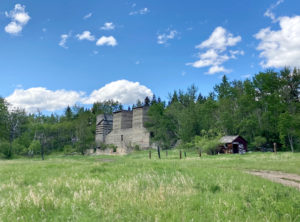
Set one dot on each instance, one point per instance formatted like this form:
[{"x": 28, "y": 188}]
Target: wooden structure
[{"x": 233, "y": 144}]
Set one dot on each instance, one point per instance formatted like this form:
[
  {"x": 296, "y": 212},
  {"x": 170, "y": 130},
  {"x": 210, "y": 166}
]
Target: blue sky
[{"x": 57, "y": 53}]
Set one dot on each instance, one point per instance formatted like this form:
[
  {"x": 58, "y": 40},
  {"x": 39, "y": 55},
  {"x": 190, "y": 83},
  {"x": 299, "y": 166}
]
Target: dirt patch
[
  {"x": 286, "y": 179},
  {"x": 105, "y": 160}
]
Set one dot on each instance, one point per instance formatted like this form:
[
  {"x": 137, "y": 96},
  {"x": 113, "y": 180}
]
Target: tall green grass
[{"x": 135, "y": 188}]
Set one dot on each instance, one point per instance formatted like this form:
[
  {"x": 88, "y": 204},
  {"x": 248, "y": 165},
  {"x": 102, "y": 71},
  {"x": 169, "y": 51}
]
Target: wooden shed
[{"x": 233, "y": 144}]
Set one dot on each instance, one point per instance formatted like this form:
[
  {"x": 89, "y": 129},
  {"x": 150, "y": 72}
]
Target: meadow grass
[{"x": 134, "y": 188}]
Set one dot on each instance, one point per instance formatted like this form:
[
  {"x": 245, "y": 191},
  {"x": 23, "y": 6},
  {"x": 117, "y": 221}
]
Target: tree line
[
  {"x": 263, "y": 110},
  {"x": 39, "y": 134}
]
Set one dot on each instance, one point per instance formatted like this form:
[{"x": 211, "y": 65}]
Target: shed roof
[{"x": 228, "y": 139}]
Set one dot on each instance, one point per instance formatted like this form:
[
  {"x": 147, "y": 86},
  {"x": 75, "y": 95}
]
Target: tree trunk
[{"x": 290, "y": 137}]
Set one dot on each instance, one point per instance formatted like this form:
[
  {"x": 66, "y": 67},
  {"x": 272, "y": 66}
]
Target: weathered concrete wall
[
  {"x": 122, "y": 120},
  {"x": 139, "y": 117},
  {"x": 127, "y": 138},
  {"x": 127, "y": 129}
]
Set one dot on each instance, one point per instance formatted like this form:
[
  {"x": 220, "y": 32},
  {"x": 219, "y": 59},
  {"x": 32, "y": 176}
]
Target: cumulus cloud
[
  {"x": 108, "y": 26},
  {"x": 215, "y": 51},
  {"x": 269, "y": 13},
  {"x": 63, "y": 40},
  {"x": 123, "y": 91},
  {"x": 142, "y": 11},
  {"x": 163, "y": 38},
  {"x": 110, "y": 41},
  {"x": 86, "y": 35},
  {"x": 42, "y": 99},
  {"x": 19, "y": 18},
  {"x": 87, "y": 16},
  {"x": 13, "y": 28},
  {"x": 281, "y": 47}
]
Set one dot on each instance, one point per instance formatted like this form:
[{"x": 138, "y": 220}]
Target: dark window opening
[
  {"x": 151, "y": 134},
  {"x": 121, "y": 137},
  {"x": 235, "y": 148}
]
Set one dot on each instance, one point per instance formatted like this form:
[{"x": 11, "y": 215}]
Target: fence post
[
  {"x": 275, "y": 148},
  {"x": 199, "y": 152},
  {"x": 158, "y": 151},
  {"x": 185, "y": 154},
  {"x": 150, "y": 154}
]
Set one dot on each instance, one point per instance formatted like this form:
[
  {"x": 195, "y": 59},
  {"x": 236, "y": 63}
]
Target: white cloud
[
  {"x": 163, "y": 38},
  {"x": 86, "y": 35},
  {"x": 13, "y": 28},
  {"x": 63, "y": 40},
  {"x": 108, "y": 26},
  {"x": 216, "y": 52},
  {"x": 123, "y": 91},
  {"x": 42, "y": 99},
  {"x": 220, "y": 39},
  {"x": 142, "y": 11},
  {"x": 217, "y": 69},
  {"x": 88, "y": 16},
  {"x": 280, "y": 47},
  {"x": 110, "y": 41},
  {"x": 19, "y": 18},
  {"x": 269, "y": 13}
]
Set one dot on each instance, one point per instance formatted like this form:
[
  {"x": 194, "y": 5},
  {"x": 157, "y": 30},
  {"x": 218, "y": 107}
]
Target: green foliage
[
  {"x": 104, "y": 146},
  {"x": 112, "y": 146},
  {"x": 289, "y": 126},
  {"x": 137, "y": 148},
  {"x": 18, "y": 148},
  {"x": 207, "y": 144},
  {"x": 68, "y": 149},
  {"x": 35, "y": 147},
  {"x": 265, "y": 107},
  {"x": 6, "y": 149},
  {"x": 161, "y": 125},
  {"x": 259, "y": 141}
]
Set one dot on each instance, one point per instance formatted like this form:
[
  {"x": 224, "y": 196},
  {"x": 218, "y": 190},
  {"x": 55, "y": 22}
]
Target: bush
[
  {"x": 137, "y": 148},
  {"x": 207, "y": 145},
  {"x": 6, "y": 149},
  {"x": 112, "y": 146},
  {"x": 259, "y": 141},
  {"x": 68, "y": 149},
  {"x": 35, "y": 147},
  {"x": 186, "y": 146}
]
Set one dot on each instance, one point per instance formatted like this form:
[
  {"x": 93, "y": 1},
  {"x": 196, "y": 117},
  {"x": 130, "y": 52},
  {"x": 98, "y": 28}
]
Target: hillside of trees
[{"x": 263, "y": 110}]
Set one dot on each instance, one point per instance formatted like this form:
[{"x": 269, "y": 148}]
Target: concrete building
[{"x": 125, "y": 129}]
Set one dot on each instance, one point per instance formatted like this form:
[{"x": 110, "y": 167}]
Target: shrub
[
  {"x": 112, "y": 146},
  {"x": 137, "y": 148},
  {"x": 68, "y": 149},
  {"x": 35, "y": 147},
  {"x": 207, "y": 145},
  {"x": 259, "y": 141},
  {"x": 6, "y": 149}
]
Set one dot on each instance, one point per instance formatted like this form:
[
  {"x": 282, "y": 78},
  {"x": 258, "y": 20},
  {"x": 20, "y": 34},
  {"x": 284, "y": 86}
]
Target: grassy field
[{"x": 134, "y": 188}]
